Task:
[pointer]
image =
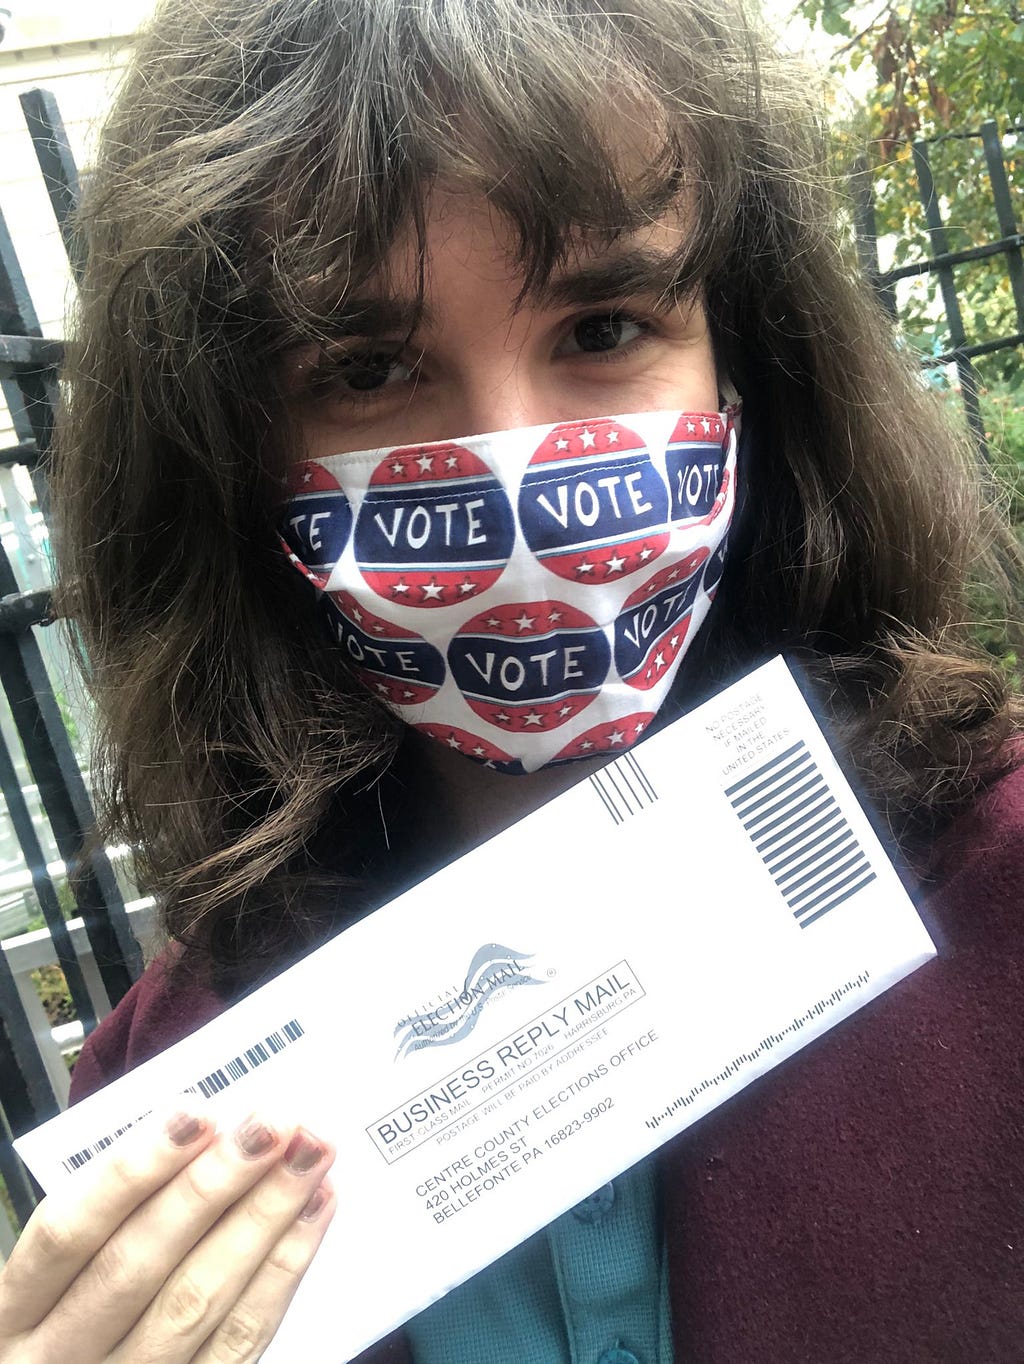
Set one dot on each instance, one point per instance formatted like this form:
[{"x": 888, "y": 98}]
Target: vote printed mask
[{"x": 524, "y": 597}]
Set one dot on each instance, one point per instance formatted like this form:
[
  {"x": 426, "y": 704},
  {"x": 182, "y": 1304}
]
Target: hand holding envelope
[
  {"x": 653, "y": 940},
  {"x": 190, "y": 1242}
]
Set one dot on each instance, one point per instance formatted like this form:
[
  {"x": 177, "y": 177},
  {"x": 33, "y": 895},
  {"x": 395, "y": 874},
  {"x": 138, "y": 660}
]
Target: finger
[
  {"x": 130, "y": 1268},
  {"x": 201, "y": 1291},
  {"x": 69, "y": 1226},
  {"x": 251, "y": 1323}
]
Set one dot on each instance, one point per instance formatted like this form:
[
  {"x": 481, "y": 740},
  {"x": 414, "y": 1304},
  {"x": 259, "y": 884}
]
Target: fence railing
[
  {"x": 30, "y": 1088},
  {"x": 98, "y": 950},
  {"x": 943, "y": 263},
  {"x": 28, "y": 952}
]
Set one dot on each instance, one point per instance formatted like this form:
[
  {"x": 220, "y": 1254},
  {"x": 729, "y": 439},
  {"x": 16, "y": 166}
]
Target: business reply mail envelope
[{"x": 517, "y": 1030}]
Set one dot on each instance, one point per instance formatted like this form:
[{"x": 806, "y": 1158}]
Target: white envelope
[{"x": 491, "y": 1047}]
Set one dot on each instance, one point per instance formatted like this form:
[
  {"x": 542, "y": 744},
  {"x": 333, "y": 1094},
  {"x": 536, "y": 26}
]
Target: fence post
[
  {"x": 27, "y": 370},
  {"x": 1004, "y": 214},
  {"x": 947, "y": 283},
  {"x": 866, "y": 234},
  {"x": 60, "y": 174}
]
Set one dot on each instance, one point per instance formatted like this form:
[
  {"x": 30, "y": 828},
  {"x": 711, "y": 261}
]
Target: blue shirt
[{"x": 592, "y": 1288}]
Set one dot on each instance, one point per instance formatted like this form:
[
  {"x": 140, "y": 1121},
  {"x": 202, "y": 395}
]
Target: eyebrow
[
  {"x": 638, "y": 270},
  {"x": 377, "y": 316}
]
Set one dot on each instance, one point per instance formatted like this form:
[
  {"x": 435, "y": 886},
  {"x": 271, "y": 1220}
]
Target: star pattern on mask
[
  {"x": 609, "y": 737},
  {"x": 618, "y": 561},
  {"x": 521, "y": 618}
]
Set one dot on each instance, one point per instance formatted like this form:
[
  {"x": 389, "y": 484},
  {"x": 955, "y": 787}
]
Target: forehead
[{"x": 461, "y": 240}]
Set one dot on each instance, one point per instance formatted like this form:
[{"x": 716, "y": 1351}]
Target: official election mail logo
[
  {"x": 592, "y": 505},
  {"x": 529, "y": 666},
  {"x": 395, "y": 663},
  {"x": 435, "y": 527},
  {"x": 318, "y": 521},
  {"x": 494, "y": 971}
]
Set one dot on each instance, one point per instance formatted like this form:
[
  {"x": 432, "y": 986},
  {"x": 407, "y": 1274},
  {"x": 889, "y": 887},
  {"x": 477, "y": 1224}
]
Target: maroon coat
[{"x": 863, "y": 1203}]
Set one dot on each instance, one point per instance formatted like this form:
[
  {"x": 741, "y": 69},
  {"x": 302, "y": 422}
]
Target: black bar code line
[
  {"x": 238, "y": 1066},
  {"x": 612, "y": 796},
  {"x": 827, "y": 879},
  {"x": 214, "y": 1083},
  {"x": 80, "y": 1158},
  {"x": 257, "y": 1054},
  {"x": 795, "y": 799},
  {"x": 624, "y": 788},
  {"x": 765, "y": 1045},
  {"x": 823, "y": 828},
  {"x": 783, "y": 871},
  {"x": 810, "y": 789},
  {"x": 608, "y": 804},
  {"x": 823, "y": 859},
  {"x": 833, "y": 885},
  {"x": 744, "y": 799},
  {"x": 768, "y": 800},
  {"x": 833, "y": 880},
  {"x": 825, "y": 803},
  {"x": 838, "y": 900},
  {"x": 833, "y": 876},
  {"x": 762, "y": 809},
  {"x": 773, "y": 785},
  {"x": 610, "y": 774},
  {"x": 730, "y": 791},
  {"x": 628, "y": 779},
  {"x": 827, "y": 875},
  {"x": 642, "y": 776},
  {"x": 801, "y": 835}
]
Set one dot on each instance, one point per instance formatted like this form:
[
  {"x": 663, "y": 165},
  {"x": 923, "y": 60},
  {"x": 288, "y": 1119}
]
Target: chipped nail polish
[
  {"x": 184, "y": 1128},
  {"x": 303, "y": 1152},
  {"x": 255, "y": 1138}
]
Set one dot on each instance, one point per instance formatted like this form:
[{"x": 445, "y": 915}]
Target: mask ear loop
[
  {"x": 294, "y": 558},
  {"x": 728, "y": 397}
]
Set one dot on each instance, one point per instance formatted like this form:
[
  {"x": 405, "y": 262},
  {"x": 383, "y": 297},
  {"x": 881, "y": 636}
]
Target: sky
[{"x": 49, "y": 21}]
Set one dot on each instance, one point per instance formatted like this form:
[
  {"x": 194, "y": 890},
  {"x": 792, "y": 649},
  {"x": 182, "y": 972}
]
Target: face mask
[{"x": 524, "y": 597}]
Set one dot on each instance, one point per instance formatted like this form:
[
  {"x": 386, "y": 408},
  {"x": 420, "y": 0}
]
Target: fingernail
[
  {"x": 255, "y": 1138},
  {"x": 314, "y": 1206},
  {"x": 183, "y": 1129},
  {"x": 303, "y": 1152}
]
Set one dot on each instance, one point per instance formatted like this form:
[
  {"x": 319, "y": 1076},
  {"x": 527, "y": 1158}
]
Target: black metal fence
[
  {"x": 28, "y": 375},
  {"x": 943, "y": 263}
]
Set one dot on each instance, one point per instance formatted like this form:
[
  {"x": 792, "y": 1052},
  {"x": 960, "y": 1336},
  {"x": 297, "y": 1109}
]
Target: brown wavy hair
[{"x": 259, "y": 160}]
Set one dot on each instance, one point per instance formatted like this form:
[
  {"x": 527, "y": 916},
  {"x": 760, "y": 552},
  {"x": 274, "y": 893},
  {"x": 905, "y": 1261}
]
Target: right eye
[{"x": 358, "y": 371}]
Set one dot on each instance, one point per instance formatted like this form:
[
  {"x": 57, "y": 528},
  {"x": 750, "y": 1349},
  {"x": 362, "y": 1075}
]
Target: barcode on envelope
[
  {"x": 795, "y": 823},
  {"x": 212, "y": 1083},
  {"x": 624, "y": 787}
]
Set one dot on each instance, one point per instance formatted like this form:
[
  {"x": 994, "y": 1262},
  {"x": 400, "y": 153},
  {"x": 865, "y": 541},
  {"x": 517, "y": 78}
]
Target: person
[{"x": 329, "y": 244}]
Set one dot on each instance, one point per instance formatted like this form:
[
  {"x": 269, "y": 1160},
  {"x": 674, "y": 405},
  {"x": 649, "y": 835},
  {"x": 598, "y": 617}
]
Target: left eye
[
  {"x": 367, "y": 371},
  {"x": 604, "y": 332}
]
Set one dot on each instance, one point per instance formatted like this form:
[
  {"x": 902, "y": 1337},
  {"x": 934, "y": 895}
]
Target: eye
[
  {"x": 601, "y": 332},
  {"x": 357, "y": 372},
  {"x": 351, "y": 373}
]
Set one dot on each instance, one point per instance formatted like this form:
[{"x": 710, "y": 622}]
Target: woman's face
[{"x": 599, "y": 341}]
